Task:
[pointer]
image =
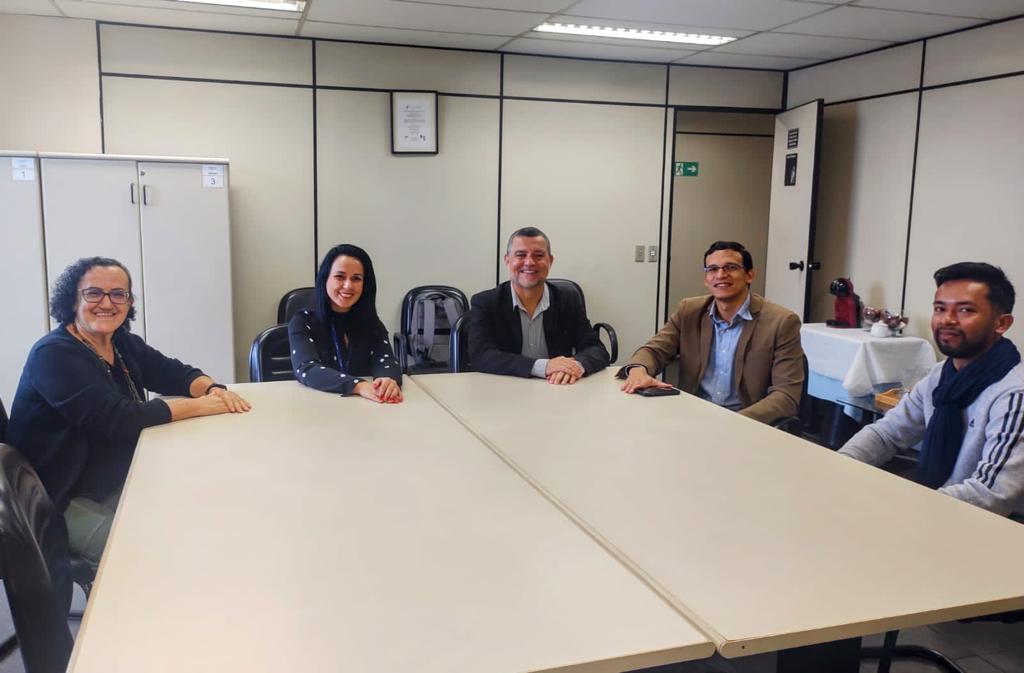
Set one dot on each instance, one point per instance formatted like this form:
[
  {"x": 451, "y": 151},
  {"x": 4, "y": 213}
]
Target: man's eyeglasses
[
  {"x": 94, "y": 295},
  {"x": 728, "y": 268}
]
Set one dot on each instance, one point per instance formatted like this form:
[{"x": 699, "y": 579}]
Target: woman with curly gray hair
[{"x": 81, "y": 402}]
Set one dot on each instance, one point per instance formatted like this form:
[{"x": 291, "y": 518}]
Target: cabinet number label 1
[{"x": 23, "y": 169}]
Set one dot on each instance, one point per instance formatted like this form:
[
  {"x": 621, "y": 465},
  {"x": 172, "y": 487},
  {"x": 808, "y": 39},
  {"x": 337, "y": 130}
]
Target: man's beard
[{"x": 964, "y": 349}]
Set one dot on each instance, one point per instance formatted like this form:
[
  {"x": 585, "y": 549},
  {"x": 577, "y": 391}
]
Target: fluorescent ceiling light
[
  {"x": 278, "y": 5},
  {"x": 633, "y": 34}
]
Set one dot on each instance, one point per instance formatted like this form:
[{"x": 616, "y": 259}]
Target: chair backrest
[
  {"x": 292, "y": 302},
  {"x": 34, "y": 565},
  {"x": 269, "y": 357},
  {"x": 3, "y": 422},
  {"x": 428, "y": 313},
  {"x": 567, "y": 285},
  {"x": 458, "y": 347}
]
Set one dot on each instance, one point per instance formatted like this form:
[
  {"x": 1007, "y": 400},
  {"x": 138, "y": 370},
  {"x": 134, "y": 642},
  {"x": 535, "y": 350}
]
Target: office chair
[
  {"x": 572, "y": 287},
  {"x": 3, "y": 422},
  {"x": 292, "y": 302},
  {"x": 35, "y": 567},
  {"x": 269, "y": 357},
  {"x": 428, "y": 313},
  {"x": 458, "y": 346}
]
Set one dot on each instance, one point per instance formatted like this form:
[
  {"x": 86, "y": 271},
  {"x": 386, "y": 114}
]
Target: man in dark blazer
[{"x": 527, "y": 327}]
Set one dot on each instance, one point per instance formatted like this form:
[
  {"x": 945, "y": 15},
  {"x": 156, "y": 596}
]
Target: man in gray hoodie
[{"x": 968, "y": 411}]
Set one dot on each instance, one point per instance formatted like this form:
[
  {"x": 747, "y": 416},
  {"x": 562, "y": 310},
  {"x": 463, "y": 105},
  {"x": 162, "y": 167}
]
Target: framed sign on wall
[{"x": 414, "y": 122}]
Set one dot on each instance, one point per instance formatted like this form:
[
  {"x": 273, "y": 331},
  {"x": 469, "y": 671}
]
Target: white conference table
[
  {"x": 765, "y": 540},
  {"x": 317, "y": 533}
]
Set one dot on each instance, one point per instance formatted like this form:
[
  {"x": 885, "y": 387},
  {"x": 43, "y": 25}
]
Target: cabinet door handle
[
  {"x": 796, "y": 266},
  {"x": 145, "y": 195},
  {"x": 131, "y": 192}
]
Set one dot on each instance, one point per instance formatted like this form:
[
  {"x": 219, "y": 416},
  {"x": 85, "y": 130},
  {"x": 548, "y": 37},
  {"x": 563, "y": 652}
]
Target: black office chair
[
  {"x": 34, "y": 566},
  {"x": 458, "y": 347},
  {"x": 270, "y": 358},
  {"x": 3, "y": 422},
  {"x": 293, "y": 302},
  {"x": 428, "y": 312},
  {"x": 613, "y": 340}
]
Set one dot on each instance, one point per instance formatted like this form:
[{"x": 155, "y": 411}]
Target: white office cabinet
[
  {"x": 22, "y": 273},
  {"x": 186, "y": 253},
  {"x": 167, "y": 220}
]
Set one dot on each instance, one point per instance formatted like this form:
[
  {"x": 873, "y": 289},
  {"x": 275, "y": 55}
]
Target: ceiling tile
[
  {"x": 618, "y": 23},
  {"x": 38, "y": 7},
  {"x": 799, "y": 46},
  {"x": 433, "y": 17},
  {"x": 546, "y": 6},
  {"x": 877, "y": 24},
  {"x": 738, "y": 14},
  {"x": 982, "y": 9},
  {"x": 745, "y": 61},
  {"x": 423, "y": 38},
  {"x": 196, "y": 7},
  {"x": 528, "y": 45},
  {"x": 178, "y": 18}
]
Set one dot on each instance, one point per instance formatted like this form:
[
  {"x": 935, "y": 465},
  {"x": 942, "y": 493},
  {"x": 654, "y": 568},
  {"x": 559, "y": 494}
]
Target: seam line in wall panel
[
  {"x": 370, "y": 89},
  {"x": 903, "y": 44},
  {"x": 933, "y": 87},
  {"x": 913, "y": 178},
  {"x": 316, "y": 189},
  {"x": 209, "y": 80},
  {"x": 661, "y": 207},
  {"x": 724, "y": 133},
  {"x": 501, "y": 131},
  {"x": 668, "y": 241},
  {"x": 99, "y": 76},
  {"x": 871, "y": 97},
  {"x": 727, "y": 109},
  {"x": 583, "y": 102}
]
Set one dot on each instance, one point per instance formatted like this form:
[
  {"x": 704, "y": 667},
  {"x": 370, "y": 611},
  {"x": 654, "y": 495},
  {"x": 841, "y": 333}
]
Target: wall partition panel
[
  {"x": 877, "y": 73},
  {"x": 967, "y": 196},
  {"x": 990, "y": 50},
  {"x": 590, "y": 177},
  {"x": 424, "y": 219},
  {"x": 864, "y": 200},
  {"x": 266, "y": 132},
  {"x": 573, "y": 79},
  {"x": 721, "y": 87},
  {"x": 186, "y": 53},
  {"x": 50, "y": 97},
  {"x": 383, "y": 67}
]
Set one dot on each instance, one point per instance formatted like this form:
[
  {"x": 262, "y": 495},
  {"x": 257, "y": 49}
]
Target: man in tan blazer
[{"x": 736, "y": 348}]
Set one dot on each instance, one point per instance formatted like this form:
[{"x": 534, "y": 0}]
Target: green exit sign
[{"x": 686, "y": 169}]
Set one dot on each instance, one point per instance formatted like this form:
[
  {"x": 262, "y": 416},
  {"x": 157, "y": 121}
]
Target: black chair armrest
[
  {"x": 790, "y": 424},
  {"x": 401, "y": 351},
  {"x": 613, "y": 339}
]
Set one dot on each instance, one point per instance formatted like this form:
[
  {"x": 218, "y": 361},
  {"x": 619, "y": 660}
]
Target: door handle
[
  {"x": 813, "y": 266},
  {"x": 145, "y": 195},
  {"x": 796, "y": 266},
  {"x": 131, "y": 192}
]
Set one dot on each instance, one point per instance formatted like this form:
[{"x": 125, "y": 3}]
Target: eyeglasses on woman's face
[{"x": 95, "y": 295}]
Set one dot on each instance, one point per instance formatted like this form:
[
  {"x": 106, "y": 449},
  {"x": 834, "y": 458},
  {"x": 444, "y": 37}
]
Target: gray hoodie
[{"x": 989, "y": 471}]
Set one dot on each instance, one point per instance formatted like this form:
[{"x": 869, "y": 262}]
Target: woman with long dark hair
[{"x": 341, "y": 341}]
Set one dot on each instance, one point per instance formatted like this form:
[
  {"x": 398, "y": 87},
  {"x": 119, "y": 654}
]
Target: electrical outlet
[
  {"x": 638, "y": 253},
  {"x": 652, "y": 253}
]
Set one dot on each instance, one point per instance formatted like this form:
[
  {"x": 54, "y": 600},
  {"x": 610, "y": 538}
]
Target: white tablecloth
[{"x": 861, "y": 361}]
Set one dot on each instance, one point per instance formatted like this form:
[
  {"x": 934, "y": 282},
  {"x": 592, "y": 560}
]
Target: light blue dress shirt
[{"x": 717, "y": 382}]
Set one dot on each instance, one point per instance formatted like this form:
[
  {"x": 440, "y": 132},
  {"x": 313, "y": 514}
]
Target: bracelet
[{"x": 215, "y": 385}]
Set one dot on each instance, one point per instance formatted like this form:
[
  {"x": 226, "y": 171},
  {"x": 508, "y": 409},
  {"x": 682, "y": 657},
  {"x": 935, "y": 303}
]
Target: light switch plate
[
  {"x": 638, "y": 254},
  {"x": 652, "y": 253}
]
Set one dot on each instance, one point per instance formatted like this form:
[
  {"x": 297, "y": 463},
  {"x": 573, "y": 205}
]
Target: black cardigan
[
  {"x": 316, "y": 363},
  {"x": 496, "y": 333},
  {"x": 73, "y": 423}
]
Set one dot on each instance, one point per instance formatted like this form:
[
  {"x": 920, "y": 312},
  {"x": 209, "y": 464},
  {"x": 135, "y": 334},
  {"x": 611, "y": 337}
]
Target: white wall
[
  {"x": 48, "y": 85},
  {"x": 966, "y": 188}
]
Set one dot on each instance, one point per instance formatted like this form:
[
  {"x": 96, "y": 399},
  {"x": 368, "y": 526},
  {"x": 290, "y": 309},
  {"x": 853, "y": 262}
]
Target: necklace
[{"x": 118, "y": 359}]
